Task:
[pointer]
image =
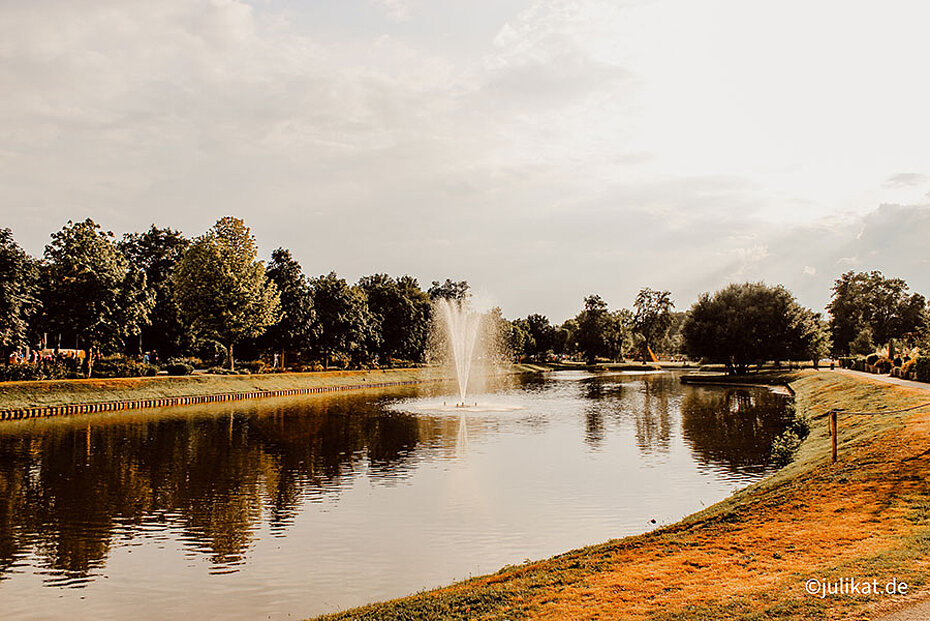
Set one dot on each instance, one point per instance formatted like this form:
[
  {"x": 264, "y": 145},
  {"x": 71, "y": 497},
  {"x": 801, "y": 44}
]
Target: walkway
[{"x": 887, "y": 379}]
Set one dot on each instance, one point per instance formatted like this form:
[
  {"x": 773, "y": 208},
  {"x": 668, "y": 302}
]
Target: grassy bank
[
  {"x": 749, "y": 556},
  {"x": 15, "y": 395},
  {"x": 67, "y": 392}
]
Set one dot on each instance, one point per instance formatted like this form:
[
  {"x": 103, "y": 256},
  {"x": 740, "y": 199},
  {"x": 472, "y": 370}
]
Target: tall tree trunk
[{"x": 232, "y": 362}]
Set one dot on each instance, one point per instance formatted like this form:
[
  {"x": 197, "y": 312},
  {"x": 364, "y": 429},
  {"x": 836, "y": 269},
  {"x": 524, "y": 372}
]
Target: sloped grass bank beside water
[{"x": 750, "y": 556}]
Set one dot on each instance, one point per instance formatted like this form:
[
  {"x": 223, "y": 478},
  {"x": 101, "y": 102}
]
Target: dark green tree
[
  {"x": 750, "y": 323},
  {"x": 870, "y": 300},
  {"x": 295, "y": 330},
  {"x": 344, "y": 325},
  {"x": 600, "y": 333},
  {"x": 18, "y": 290},
  {"x": 93, "y": 296},
  {"x": 652, "y": 317},
  {"x": 221, "y": 287},
  {"x": 401, "y": 313},
  {"x": 449, "y": 290},
  {"x": 541, "y": 335},
  {"x": 156, "y": 252}
]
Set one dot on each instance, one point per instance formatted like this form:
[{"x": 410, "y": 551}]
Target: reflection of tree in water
[
  {"x": 67, "y": 490},
  {"x": 653, "y": 421},
  {"x": 645, "y": 400},
  {"x": 734, "y": 427}
]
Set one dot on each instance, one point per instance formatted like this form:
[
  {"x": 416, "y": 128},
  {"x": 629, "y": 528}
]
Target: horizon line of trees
[{"x": 159, "y": 292}]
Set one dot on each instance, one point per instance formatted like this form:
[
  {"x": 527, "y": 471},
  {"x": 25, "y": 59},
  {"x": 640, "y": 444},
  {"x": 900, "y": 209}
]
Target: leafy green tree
[
  {"x": 401, "y": 313},
  {"x": 750, "y": 323},
  {"x": 295, "y": 330},
  {"x": 652, "y": 317},
  {"x": 600, "y": 333},
  {"x": 92, "y": 294},
  {"x": 870, "y": 300},
  {"x": 541, "y": 336},
  {"x": 449, "y": 290},
  {"x": 345, "y": 326},
  {"x": 221, "y": 287},
  {"x": 18, "y": 289},
  {"x": 156, "y": 252}
]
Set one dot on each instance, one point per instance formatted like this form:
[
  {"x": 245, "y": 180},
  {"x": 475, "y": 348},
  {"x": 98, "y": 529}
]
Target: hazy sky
[{"x": 541, "y": 150}]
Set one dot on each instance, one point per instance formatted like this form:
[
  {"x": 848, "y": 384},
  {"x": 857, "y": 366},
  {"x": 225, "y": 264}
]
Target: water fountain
[{"x": 461, "y": 327}]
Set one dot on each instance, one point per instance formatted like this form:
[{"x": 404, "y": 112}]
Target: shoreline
[
  {"x": 39, "y": 399},
  {"x": 750, "y": 555}
]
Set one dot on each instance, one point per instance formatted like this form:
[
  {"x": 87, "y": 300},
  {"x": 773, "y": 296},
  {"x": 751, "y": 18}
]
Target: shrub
[
  {"x": 871, "y": 359},
  {"x": 191, "y": 361},
  {"x": 220, "y": 371},
  {"x": 117, "y": 366},
  {"x": 179, "y": 368},
  {"x": 922, "y": 368},
  {"x": 43, "y": 370},
  {"x": 884, "y": 365},
  {"x": 786, "y": 445},
  {"x": 784, "y": 448},
  {"x": 255, "y": 366}
]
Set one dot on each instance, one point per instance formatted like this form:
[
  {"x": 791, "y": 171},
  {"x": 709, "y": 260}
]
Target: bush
[
  {"x": 44, "y": 370},
  {"x": 255, "y": 366},
  {"x": 191, "y": 361},
  {"x": 179, "y": 368},
  {"x": 871, "y": 359},
  {"x": 884, "y": 365},
  {"x": 117, "y": 366},
  {"x": 922, "y": 368},
  {"x": 220, "y": 371},
  {"x": 786, "y": 445}
]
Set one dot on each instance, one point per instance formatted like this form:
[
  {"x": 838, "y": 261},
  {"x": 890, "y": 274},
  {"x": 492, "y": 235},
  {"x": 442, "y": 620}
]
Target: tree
[
  {"x": 156, "y": 252},
  {"x": 870, "y": 300},
  {"x": 18, "y": 289},
  {"x": 344, "y": 323},
  {"x": 541, "y": 336},
  {"x": 600, "y": 333},
  {"x": 295, "y": 330},
  {"x": 652, "y": 317},
  {"x": 449, "y": 290},
  {"x": 401, "y": 313},
  {"x": 750, "y": 323},
  {"x": 221, "y": 287},
  {"x": 92, "y": 294}
]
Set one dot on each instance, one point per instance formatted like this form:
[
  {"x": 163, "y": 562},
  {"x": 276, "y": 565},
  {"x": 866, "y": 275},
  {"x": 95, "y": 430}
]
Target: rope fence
[{"x": 834, "y": 413}]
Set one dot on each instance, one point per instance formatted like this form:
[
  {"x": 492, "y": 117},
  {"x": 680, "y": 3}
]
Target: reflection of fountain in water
[{"x": 461, "y": 439}]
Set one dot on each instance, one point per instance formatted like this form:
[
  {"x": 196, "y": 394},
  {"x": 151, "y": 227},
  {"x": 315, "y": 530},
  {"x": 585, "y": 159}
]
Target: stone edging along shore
[{"x": 111, "y": 406}]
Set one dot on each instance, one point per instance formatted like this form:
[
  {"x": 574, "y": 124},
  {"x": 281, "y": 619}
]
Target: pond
[{"x": 291, "y": 507}]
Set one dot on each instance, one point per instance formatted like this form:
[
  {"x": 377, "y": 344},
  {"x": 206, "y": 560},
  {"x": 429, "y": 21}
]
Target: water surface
[{"x": 286, "y": 508}]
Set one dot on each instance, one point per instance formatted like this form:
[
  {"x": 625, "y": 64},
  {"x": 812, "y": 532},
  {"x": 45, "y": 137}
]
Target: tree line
[{"x": 161, "y": 295}]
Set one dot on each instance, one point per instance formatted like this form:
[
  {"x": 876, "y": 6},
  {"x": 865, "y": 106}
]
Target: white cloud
[{"x": 570, "y": 146}]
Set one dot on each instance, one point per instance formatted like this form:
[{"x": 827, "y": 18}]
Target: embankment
[
  {"x": 752, "y": 555},
  {"x": 64, "y": 397}
]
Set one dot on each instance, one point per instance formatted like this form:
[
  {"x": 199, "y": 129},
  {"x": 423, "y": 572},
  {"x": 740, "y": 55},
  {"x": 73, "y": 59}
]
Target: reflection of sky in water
[{"x": 301, "y": 506}]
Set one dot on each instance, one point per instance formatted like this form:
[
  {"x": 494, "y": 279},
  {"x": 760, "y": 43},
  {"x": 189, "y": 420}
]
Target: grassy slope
[
  {"x": 747, "y": 557},
  {"x": 61, "y": 392},
  {"x": 15, "y": 395}
]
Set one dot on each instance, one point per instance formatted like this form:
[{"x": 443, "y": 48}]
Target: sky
[{"x": 541, "y": 150}]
